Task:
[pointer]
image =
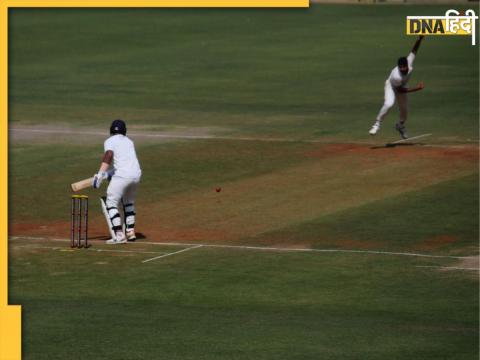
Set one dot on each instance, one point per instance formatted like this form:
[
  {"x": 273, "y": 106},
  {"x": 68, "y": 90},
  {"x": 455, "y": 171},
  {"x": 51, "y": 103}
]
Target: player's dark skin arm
[
  {"x": 108, "y": 157},
  {"x": 419, "y": 86},
  {"x": 106, "y": 161},
  {"x": 417, "y": 44}
]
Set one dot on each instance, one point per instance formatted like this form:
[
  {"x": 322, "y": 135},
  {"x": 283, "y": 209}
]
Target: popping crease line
[
  {"x": 266, "y": 248},
  {"x": 410, "y": 138},
  {"x": 375, "y": 252},
  {"x": 173, "y": 253}
]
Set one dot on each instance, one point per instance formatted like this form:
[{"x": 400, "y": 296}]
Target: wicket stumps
[{"x": 79, "y": 221}]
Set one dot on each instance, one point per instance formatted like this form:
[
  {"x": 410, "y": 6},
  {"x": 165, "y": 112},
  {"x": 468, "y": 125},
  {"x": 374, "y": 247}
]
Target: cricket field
[{"x": 323, "y": 243}]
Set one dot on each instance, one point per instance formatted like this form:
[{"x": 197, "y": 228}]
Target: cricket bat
[{"x": 82, "y": 184}]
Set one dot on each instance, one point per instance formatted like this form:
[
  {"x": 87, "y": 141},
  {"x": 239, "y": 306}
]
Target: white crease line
[
  {"x": 448, "y": 267},
  {"x": 313, "y": 250},
  {"x": 26, "y": 238},
  {"x": 176, "y": 252},
  {"x": 267, "y": 248},
  {"x": 409, "y": 139},
  {"x": 38, "y": 247}
]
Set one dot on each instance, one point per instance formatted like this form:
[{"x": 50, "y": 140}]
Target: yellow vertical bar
[{"x": 10, "y": 316}]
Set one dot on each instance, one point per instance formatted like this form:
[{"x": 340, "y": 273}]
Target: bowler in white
[{"x": 396, "y": 89}]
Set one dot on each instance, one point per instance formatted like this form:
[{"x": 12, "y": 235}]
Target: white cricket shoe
[
  {"x": 401, "y": 129},
  {"x": 119, "y": 239},
  {"x": 131, "y": 235},
  {"x": 375, "y": 128}
]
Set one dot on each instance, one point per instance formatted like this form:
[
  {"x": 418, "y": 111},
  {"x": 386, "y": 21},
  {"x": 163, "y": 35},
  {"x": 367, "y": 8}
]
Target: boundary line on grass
[{"x": 266, "y": 248}]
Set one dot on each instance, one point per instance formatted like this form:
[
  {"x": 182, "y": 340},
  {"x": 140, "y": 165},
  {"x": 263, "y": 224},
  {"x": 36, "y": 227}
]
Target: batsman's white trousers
[
  {"x": 118, "y": 189},
  {"x": 390, "y": 96}
]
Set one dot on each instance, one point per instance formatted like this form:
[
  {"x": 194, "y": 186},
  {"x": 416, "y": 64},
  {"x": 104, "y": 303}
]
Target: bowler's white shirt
[
  {"x": 125, "y": 162},
  {"x": 396, "y": 78}
]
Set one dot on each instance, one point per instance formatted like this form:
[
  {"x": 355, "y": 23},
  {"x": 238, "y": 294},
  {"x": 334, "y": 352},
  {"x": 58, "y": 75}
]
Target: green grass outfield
[
  {"x": 211, "y": 303},
  {"x": 322, "y": 244}
]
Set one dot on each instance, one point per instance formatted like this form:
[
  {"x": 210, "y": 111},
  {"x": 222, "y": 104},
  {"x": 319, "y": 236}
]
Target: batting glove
[{"x": 98, "y": 178}]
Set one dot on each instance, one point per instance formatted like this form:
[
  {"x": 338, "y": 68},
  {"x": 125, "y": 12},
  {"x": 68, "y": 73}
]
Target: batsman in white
[
  {"x": 125, "y": 177},
  {"x": 396, "y": 88}
]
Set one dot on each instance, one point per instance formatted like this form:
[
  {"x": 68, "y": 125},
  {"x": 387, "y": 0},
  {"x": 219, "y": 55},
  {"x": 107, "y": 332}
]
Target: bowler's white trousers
[{"x": 390, "y": 96}]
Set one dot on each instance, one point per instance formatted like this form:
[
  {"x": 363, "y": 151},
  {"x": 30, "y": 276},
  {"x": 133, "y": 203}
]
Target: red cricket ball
[{"x": 218, "y": 189}]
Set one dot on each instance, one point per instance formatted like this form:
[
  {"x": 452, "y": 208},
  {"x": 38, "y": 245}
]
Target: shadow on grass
[{"x": 391, "y": 145}]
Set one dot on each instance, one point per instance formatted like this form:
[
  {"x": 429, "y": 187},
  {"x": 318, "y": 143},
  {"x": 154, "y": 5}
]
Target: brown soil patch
[
  {"x": 436, "y": 243},
  {"x": 466, "y": 152},
  {"x": 338, "y": 177},
  {"x": 290, "y": 196},
  {"x": 169, "y": 234},
  {"x": 97, "y": 229}
]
